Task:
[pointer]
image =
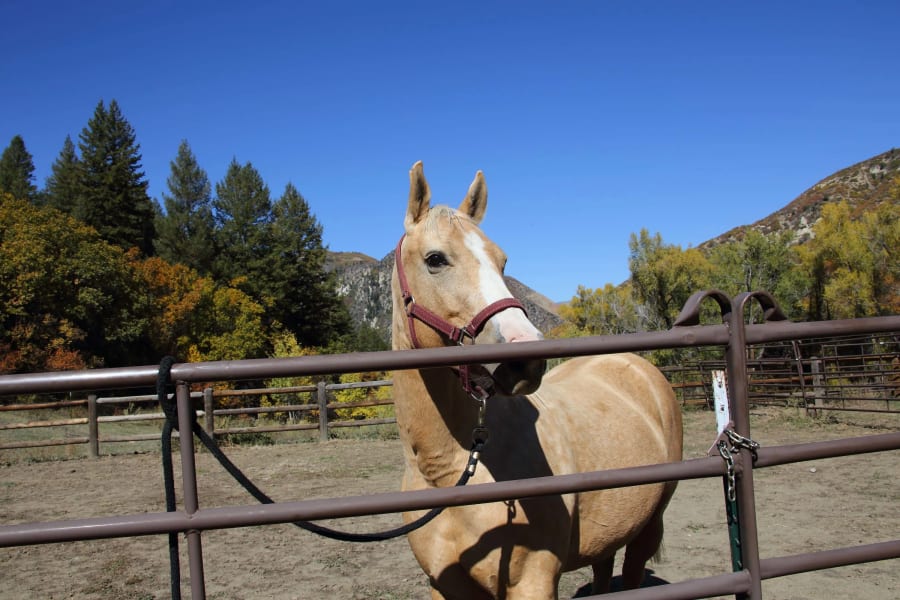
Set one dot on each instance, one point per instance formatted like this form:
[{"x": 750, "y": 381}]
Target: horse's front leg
[
  {"x": 525, "y": 575},
  {"x": 535, "y": 578}
]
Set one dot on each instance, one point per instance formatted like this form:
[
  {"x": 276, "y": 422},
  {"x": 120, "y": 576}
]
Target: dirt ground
[{"x": 802, "y": 507}]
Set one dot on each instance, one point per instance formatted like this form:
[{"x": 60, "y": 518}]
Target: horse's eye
[{"x": 436, "y": 260}]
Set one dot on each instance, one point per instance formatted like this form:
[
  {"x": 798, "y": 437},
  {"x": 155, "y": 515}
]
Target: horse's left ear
[
  {"x": 475, "y": 202},
  {"x": 419, "y": 196}
]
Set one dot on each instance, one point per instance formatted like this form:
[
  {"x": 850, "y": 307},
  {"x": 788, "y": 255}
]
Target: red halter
[{"x": 456, "y": 334}]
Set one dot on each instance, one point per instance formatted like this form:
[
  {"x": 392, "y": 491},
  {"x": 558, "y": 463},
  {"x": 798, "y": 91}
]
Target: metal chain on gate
[
  {"x": 725, "y": 453},
  {"x": 737, "y": 442}
]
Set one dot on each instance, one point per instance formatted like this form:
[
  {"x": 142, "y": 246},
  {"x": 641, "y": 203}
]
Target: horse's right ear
[{"x": 419, "y": 196}]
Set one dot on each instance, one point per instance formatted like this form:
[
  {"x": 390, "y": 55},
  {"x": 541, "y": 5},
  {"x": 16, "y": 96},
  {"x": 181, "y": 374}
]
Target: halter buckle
[
  {"x": 408, "y": 301},
  {"x": 463, "y": 333}
]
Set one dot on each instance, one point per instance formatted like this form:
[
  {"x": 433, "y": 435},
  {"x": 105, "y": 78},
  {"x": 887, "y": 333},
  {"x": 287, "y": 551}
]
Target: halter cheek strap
[{"x": 456, "y": 335}]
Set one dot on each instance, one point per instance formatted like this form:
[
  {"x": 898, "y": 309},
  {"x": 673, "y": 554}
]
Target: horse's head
[{"x": 448, "y": 284}]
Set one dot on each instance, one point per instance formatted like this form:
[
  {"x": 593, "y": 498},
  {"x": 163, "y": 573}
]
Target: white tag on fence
[{"x": 720, "y": 396}]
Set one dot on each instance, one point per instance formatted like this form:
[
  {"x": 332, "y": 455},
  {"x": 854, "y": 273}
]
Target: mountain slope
[{"x": 864, "y": 185}]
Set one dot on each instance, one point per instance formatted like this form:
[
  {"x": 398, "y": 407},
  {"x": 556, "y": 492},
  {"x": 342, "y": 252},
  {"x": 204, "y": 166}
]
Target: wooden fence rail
[{"x": 321, "y": 409}]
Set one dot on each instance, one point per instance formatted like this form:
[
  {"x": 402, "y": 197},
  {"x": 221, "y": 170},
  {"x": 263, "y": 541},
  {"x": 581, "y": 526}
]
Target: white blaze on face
[{"x": 511, "y": 324}]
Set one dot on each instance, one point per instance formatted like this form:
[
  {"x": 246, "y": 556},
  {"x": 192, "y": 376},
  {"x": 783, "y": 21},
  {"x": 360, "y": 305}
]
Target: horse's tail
[{"x": 660, "y": 554}]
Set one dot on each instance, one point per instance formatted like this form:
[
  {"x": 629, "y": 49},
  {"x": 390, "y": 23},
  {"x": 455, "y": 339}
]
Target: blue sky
[{"x": 590, "y": 120}]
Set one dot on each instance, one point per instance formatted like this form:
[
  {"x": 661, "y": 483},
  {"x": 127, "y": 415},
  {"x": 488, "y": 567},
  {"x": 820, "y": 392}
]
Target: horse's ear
[
  {"x": 475, "y": 202},
  {"x": 419, "y": 196}
]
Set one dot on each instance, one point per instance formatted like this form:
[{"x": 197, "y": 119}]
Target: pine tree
[
  {"x": 243, "y": 214},
  {"x": 113, "y": 192},
  {"x": 17, "y": 171},
  {"x": 62, "y": 186},
  {"x": 185, "y": 232},
  {"x": 305, "y": 296}
]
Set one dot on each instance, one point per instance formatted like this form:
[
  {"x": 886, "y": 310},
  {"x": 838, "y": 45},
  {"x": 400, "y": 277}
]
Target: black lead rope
[
  {"x": 171, "y": 422},
  {"x": 171, "y": 412}
]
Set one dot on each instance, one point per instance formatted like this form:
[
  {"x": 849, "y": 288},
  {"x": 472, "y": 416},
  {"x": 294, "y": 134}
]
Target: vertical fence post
[
  {"x": 738, "y": 386},
  {"x": 322, "y": 399},
  {"x": 801, "y": 378},
  {"x": 818, "y": 387},
  {"x": 189, "y": 483},
  {"x": 93, "y": 427},
  {"x": 209, "y": 417}
]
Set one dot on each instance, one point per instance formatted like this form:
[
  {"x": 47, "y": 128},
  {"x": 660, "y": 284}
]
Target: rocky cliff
[{"x": 365, "y": 284}]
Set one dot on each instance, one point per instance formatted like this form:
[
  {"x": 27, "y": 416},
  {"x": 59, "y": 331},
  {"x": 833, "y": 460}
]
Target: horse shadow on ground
[{"x": 650, "y": 580}]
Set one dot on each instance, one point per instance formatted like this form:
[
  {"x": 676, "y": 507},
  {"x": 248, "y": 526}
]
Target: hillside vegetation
[{"x": 829, "y": 254}]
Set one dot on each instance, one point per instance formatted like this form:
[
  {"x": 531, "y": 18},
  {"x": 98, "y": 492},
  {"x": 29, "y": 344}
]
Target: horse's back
[{"x": 619, "y": 400}]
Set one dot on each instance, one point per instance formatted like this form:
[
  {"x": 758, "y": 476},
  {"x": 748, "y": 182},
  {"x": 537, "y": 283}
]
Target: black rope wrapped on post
[{"x": 170, "y": 410}]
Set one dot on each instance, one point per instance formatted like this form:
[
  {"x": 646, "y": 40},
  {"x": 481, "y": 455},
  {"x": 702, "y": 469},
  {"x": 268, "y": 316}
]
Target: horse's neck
[
  {"x": 434, "y": 414},
  {"x": 436, "y": 419}
]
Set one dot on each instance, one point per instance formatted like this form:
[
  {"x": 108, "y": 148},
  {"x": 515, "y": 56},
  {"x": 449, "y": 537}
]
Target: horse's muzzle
[{"x": 517, "y": 377}]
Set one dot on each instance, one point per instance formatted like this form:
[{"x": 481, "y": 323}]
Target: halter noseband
[{"x": 457, "y": 335}]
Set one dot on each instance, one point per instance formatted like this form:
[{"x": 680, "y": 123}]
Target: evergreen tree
[
  {"x": 113, "y": 192},
  {"x": 275, "y": 254},
  {"x": 243, "y": 215},
  {"x": 17, "y": 171},
  {"x": 62, "y": 186},
  {"x": 185, "y": 232},
  {"x": 304, "y": 293}
]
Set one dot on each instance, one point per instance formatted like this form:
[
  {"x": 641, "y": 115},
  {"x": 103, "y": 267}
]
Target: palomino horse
[{"x": 587, "y": 414}]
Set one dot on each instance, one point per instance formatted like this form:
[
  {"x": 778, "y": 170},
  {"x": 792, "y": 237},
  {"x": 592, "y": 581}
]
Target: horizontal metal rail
[
  {"x": 717, "y": 585},
  {"x": 394, "y": 502},
  {"x": 266, "y": 368},
  {"x": 770, "y": 568},
  {"x": 350, "y": 506}
]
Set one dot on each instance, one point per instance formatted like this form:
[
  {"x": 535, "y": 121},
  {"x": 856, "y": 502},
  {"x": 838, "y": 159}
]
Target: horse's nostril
[{"x": 526, "y": 338}]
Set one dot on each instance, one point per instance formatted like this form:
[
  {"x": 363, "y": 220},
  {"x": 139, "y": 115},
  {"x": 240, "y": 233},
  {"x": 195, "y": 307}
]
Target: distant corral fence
[
  {"x": 845, "y": 373},
  {"x": 319, "y": 415},
  {"x": 737, "y": 460},
  {"x": 842, "y": 373}
]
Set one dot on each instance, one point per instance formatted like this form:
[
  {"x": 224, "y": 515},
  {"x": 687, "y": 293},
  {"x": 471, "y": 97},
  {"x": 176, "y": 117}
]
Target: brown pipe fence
[
  {"x": 851, "y": 374},
  {"x": 733, "y": 335}
]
